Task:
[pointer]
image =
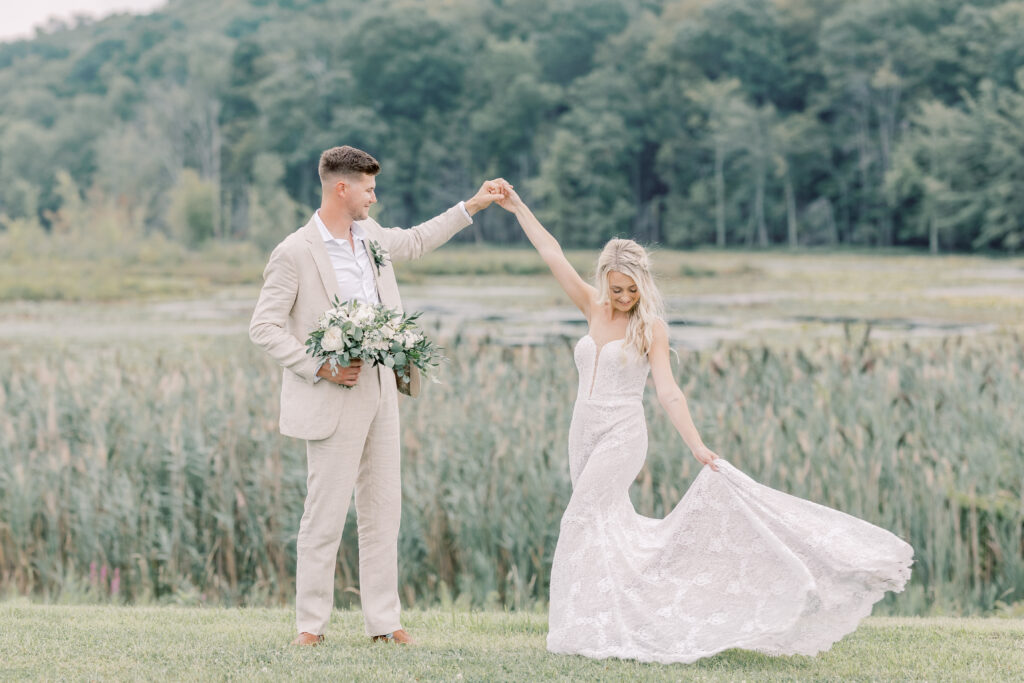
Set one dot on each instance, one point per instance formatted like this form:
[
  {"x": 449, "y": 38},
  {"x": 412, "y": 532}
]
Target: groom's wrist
[{"x": 472, "y": 205}]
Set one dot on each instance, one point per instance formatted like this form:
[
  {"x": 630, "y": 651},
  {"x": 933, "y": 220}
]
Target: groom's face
[{"x": 358, "y": 194}]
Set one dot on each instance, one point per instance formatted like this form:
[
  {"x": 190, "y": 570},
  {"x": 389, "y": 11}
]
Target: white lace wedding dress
[{"x": 735, "y": 564}]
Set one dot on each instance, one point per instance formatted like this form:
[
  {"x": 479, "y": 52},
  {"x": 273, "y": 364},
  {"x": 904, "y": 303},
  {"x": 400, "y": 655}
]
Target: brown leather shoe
[
  {"x": 400, "y": 636},
  {"x": 308, "y": 639}
]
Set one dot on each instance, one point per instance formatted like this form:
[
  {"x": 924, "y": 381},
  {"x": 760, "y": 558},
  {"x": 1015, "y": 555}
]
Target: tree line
[{"x": 681, "y": 122}]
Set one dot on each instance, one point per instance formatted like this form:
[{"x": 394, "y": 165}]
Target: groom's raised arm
[{"x": 410, "y": 244}]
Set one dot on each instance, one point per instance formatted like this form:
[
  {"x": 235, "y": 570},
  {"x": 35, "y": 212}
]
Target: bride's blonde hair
[{"x": 629, "y": 258}]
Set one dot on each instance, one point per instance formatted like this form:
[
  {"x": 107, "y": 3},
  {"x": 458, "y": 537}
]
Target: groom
[{"x": 351, "y": 431}]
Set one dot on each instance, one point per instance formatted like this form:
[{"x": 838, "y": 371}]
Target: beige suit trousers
[{"x": 362, "y": 454}]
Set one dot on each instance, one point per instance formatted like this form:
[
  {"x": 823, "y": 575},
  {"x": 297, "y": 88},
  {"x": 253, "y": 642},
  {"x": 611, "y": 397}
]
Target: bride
[{"x": 736, "y": 564}]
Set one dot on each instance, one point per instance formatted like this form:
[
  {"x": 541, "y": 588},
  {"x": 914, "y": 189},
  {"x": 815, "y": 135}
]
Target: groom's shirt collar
[{"x": 358, "y": 231}]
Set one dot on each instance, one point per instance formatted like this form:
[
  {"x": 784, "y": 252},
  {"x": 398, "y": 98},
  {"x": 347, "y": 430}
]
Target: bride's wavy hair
[{"x": 629, "y": 258}]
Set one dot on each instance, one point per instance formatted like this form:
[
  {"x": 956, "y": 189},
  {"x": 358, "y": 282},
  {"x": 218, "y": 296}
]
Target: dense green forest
[{"x": 680, "y": 122}]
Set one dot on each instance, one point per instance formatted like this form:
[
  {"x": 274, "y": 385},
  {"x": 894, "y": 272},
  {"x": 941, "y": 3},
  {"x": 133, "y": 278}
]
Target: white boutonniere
[{"x": 380, "y": 255}]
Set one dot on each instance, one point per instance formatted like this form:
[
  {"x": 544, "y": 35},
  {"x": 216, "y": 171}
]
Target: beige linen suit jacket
[{"x": 299, "y": 284}]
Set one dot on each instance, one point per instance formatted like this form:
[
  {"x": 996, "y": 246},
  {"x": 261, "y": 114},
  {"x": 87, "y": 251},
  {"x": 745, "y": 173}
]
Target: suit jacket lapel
[
  {"x": 370, "y": 237},
  {"x": 323, "y": 262}
]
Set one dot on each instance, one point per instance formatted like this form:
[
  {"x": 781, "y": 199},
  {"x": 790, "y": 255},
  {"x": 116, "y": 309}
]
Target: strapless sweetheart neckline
[
  {"x": 601, "y": 346},
  {"x": 598, "y": 350}
]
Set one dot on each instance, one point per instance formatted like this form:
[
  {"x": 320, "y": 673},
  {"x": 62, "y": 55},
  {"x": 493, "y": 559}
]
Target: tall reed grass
[{"x": 164, "y": 465}]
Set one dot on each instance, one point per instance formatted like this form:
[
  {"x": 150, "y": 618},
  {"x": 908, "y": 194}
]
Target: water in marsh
[
  {"x": 507, "y": 315},
  {"x": 711, "y": 298}
]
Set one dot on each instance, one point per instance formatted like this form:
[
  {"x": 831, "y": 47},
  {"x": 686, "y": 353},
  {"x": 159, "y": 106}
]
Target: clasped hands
[{"x": 498, "y": 190}]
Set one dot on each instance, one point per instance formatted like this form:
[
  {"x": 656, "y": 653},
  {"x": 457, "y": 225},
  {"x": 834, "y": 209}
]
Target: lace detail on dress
[{"x": 735, "y": 564}]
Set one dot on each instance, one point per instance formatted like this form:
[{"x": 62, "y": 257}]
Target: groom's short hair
[{"x": 346, "y": 160}]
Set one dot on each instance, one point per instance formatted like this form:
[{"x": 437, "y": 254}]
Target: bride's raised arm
[{"x": 581, "y": 293}]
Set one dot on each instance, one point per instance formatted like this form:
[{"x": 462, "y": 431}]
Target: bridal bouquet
[{"x": 374, "y": 333}]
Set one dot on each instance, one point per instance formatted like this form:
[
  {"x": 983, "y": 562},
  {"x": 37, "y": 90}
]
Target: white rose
[
  {"x": 332, "y": 340},
  {"x": 363, "y": 315},
  {"x": 388, "y": 332}
]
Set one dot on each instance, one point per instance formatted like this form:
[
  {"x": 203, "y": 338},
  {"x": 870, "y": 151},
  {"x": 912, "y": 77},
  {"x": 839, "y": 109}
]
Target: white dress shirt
[{"x": 352, "y": 268}]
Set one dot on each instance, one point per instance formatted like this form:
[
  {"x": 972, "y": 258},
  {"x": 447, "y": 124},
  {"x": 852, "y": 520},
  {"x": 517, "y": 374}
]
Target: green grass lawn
[{"x": 152, "y": 643}]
